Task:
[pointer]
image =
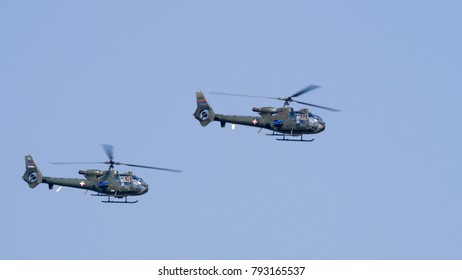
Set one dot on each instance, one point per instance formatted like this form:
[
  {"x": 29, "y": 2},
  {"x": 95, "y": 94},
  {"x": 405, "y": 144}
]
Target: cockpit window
[
  {"x": 137, "y": 180},
  {"x": 301, "y": 119},
  {"x": 127, "y": 180}
]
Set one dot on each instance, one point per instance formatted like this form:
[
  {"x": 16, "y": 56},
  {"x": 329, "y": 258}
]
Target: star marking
[
  {"x": 254, "y": 121},
  {"x": 82, "y": 183}
]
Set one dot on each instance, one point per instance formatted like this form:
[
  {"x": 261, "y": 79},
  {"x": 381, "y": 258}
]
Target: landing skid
[
  {"x": 113, "y": 201},
  {"x": 295, "y": 140},
  {"x": 287, "y": 139}
]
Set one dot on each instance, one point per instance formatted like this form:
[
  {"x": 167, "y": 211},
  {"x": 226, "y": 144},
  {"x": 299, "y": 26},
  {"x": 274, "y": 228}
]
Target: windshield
[
  {"x": 314, "y": 119},
  {"x": 137, "y": 180}
]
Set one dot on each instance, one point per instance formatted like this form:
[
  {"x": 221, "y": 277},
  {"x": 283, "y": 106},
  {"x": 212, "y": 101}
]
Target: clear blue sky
[{"x": 379, "y": 183}]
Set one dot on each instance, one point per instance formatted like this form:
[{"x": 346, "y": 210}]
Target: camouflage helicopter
[
  {"x": 108, "y": 183},
  {"x": 282, "y": 121}
]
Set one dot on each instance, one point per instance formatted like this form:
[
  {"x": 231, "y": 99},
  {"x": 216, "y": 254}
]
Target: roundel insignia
[
  {"x": 32, "y": 177},
  {"x": 204, "y": 114}
]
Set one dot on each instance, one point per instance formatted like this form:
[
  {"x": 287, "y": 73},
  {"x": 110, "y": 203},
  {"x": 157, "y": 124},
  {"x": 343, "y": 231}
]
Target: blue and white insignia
[
  {"x": 32, "y": 178},
  {"x": 204, "y": 114}
]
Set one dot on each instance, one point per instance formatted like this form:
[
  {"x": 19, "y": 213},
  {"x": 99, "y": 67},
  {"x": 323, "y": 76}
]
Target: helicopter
[
  {"x": 108, "y": 183},
  {"x": 284, "y": 121}
]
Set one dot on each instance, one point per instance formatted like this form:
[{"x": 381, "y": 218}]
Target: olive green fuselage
[
  {"x": 282, "y": 120},
  {"x": 285, "y": 121},
  {"x": 110, "y": 183},
  {"x": 104, "y": 182}
]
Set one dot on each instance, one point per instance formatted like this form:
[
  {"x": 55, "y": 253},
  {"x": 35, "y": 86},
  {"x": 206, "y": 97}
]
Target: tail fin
[
  {"x": 32, "y": 176},
  {"x": 204, "y": 113}
]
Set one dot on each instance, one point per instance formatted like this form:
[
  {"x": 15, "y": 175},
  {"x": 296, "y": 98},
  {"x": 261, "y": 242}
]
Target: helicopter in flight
[
  {"x": 283, "y": 121},
  {"x": 108, "y": 183}
]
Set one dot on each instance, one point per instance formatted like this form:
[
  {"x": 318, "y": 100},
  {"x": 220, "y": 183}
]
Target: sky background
[{"x": 381, "y": 182}]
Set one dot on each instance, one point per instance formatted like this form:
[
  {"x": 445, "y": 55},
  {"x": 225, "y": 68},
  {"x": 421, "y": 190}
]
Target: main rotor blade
[
  {"x": 76, "y": 162},
  {"x": 317, "y": 106},
  {"x": 109, "y": 149},
  {"x": 305, "y": 90},
  {"x": 242, "y": 95},
  {"x": 300, "y": 92},
  {"x": 149, "y": 167}
]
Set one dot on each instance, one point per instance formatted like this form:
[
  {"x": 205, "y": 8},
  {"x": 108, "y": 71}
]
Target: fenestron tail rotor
[
  {"x": 109, "y": 150},
  {"x": 288, "y": 99}
]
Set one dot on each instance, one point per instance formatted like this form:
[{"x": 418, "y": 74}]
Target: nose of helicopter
[{"x": 144, "y": 189}]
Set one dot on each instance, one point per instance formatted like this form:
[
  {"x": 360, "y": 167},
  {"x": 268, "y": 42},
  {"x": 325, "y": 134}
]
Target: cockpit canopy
[
  {"x": 303, "y": 118},
  {"x": 315, "y": 118},
  {"x": 129, "y": 177}
]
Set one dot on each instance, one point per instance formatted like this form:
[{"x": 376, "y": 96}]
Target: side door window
[{"x": 125, "y": 181}]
